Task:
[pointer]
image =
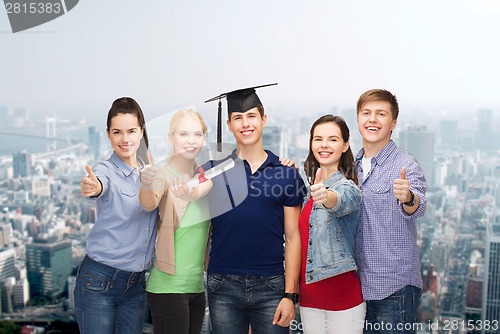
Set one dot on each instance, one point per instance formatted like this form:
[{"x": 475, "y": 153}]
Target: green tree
[{"x": 8, "y": 327}]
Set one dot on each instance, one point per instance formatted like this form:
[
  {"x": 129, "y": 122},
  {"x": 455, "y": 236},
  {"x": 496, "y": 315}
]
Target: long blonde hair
[{"x": 181, "y": 114}]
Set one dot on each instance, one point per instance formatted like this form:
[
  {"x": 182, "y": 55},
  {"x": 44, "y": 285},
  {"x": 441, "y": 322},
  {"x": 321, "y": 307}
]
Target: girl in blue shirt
[{"x": 109, "y": 291}]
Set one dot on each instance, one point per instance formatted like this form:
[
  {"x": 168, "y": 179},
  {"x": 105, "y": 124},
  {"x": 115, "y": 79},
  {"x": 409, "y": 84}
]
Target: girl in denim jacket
[{"x": 330, "y": 292}]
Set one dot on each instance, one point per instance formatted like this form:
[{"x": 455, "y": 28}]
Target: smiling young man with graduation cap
[{"x": 247, "y": 283}]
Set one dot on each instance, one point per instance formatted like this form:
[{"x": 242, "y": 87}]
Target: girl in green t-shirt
[{"x": 175, "y": 289}]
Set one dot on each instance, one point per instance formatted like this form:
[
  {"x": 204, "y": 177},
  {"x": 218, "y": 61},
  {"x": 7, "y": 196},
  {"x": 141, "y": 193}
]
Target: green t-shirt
[{"x": 190, "y": 240}]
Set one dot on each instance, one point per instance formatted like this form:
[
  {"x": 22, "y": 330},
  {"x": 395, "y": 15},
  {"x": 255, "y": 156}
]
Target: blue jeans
[
  {"x": 396, "y": 314},
  {"x": 108, "y": 300},
  {"x": 235, "y": 302}
]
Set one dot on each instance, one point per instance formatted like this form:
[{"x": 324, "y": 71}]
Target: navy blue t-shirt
[{"x": 248, "y": 216}]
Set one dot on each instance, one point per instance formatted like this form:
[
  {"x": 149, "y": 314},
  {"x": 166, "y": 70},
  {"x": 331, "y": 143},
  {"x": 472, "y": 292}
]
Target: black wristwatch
[
  {"x": 293, "y": 296},
  {"x": 411, "y": 202}
]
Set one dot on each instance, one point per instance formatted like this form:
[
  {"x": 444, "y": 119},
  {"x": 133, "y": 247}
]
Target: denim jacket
[{"x": 332, "y": 232}]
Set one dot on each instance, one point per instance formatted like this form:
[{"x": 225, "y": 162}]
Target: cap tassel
[{"x": 219, "y": 127}]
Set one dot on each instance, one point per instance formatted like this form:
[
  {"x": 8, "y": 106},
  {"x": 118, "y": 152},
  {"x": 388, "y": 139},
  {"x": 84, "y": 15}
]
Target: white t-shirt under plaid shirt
[{"x": 387, "y": 253}]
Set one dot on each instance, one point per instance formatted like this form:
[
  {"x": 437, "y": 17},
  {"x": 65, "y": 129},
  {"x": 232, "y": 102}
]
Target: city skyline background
[
  {"x": 437, "y": 57},
  {"x": 58, "y": 81}
]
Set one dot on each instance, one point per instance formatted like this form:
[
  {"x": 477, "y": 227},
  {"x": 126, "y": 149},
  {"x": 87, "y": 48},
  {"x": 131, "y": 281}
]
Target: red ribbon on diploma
[{"x": 201, "y": 177}]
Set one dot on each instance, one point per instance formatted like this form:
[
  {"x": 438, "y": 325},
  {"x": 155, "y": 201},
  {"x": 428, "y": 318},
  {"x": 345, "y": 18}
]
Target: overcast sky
[{"x": 168, "y": 54}]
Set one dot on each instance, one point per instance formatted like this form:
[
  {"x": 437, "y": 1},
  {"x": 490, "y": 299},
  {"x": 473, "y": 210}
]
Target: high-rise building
[
  {"x": 49, "y": 265},
  {"x": 449, "y": 135},
  {"x": 7, "y": 264},
  {"x": 273, "y": 139},
  {"x": 94, "y": 142},
  {"x": 21, "y": 293},
  {"x": 40, "y": 186},
  {"x": 5, "y": 234},
  {"x": 474, "y": 291},
  {"x": 420, "y": 143},
  {"x": 439, "y": 253},
  {"x": 6, "y": 294},
  {"x": 21, "y": 162},
  {"x": 485, "y": 133},
  {"x": 491, "y": 283}
]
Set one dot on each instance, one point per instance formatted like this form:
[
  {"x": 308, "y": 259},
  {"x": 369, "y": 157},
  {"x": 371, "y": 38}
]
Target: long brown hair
[
  {"x": 127, "y": 105},
  {"x": 346, "y": 163}
]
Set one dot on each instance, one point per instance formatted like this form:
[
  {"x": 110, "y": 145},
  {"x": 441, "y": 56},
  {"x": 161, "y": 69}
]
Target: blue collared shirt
[
  {"x": 248, "y": 216},
  {"x": 387, "y": 253},
  {"x": 124, "y": 233}
]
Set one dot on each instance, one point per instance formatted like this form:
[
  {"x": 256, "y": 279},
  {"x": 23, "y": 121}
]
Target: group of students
[{"x": 341, "y": 240}]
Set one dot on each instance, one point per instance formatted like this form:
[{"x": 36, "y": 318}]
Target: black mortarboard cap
[{"x": 240, "y": 100}]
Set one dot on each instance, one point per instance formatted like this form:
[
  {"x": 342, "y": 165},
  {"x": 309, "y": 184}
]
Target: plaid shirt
[{"x": 387, "y": 253}]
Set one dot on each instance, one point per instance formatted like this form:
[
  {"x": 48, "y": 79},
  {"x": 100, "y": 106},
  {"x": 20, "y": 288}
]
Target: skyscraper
[
  {"x": 20, "y": 293},
  {"x": 273, "y": 139},
  {"x": 7, "y": 263},
  {"x": 6, "y": 294},
  {"x": 420, "y": 143},
  {"x": 49, "y": 265},
  {"x": 449, "y": 134},
  {"x": 491, "y": 284},
  {"x": 7, "y": 278},
  {"x": 485, "y": 135},
  {"x": 21, "y": 163},
  {"x": 5, "y": 234},
  {"x": 474, "y": 292}
]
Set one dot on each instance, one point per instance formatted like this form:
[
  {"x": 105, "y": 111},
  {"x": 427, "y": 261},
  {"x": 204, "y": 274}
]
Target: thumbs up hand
[
  {"x": 90, "y": 185},
  {"x": 401, "y": 187},
  {"x": 148, "y": 174},
  {"x": 319, "y": 193}
]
